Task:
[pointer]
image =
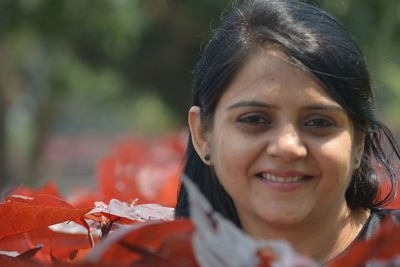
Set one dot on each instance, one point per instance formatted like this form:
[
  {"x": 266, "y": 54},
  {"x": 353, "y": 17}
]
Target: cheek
[
  {"x": 226, "y": 158},
  {"x": 233, "y": 156},
  {"x": 335, "y": 158}
]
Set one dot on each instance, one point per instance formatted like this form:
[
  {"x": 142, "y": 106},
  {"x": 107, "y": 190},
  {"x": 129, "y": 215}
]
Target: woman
[{"x": 284, "y": 139}]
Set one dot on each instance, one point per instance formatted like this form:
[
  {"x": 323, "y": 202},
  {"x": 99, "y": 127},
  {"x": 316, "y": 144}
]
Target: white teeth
[{"x": 279, "y": 179}]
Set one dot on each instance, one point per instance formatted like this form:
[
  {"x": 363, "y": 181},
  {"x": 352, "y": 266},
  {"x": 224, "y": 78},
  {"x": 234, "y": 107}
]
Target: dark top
[{"x": 374, "y": 221}]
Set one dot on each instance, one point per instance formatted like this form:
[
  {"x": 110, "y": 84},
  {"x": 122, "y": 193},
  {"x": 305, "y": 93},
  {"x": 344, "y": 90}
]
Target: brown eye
[
  {"x": 320, "y": 126},
  {"x": 319, "y": 122},
  {"x": 253, "y": 119},
  {"x": 252, "y": 123}
]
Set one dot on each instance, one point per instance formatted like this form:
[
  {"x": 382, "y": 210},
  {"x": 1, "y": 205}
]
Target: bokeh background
[{"x": 78, "y": 75}]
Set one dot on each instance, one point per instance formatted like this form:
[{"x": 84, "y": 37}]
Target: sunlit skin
[{"x": 275, "y": 121}]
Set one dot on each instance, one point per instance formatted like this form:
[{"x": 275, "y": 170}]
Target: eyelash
[
  {"x": 253, "y": 119},
  {"x": 317, "y": 124}
]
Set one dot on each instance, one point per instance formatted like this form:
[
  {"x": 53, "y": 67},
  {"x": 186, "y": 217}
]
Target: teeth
[{"x": 279, "y": 179}]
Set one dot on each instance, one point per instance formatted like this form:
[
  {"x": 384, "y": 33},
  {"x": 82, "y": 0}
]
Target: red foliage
[
  {"x": 60, "y": 245},
  {"x": 19, "y": 215},
  {"x": 137, "y": 169},
  {"x": 156, "y": 244},
  {"x": 141, "y": 169},
  {"x": 24, "y": 225}
]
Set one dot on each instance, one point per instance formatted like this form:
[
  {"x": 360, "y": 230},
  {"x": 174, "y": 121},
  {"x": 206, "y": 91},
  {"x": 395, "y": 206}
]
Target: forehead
[{"x": 269, "y": 74}]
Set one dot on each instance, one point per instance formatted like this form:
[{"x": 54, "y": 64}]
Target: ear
[
  {"x": 359, "y": 141},
  {"x": 198, "y": 133}
]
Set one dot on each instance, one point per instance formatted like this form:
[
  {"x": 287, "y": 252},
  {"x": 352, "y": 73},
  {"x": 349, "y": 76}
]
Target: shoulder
[{"x": 375, "y": 219}]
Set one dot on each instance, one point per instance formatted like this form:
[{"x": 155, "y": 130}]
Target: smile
[{"x": 279, "y": 179}]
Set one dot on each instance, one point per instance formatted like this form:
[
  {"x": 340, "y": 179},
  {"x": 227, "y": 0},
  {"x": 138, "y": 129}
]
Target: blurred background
[{"x": 78, "y": 75}]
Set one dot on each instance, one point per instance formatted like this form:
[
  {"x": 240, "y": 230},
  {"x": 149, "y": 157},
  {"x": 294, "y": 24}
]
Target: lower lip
[{"x": 283, "y": 187}]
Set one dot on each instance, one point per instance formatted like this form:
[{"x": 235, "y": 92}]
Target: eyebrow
[
  {"x": 325, "y": 107},
  {"x": 267, "y": 105},
  {"x": 251, "y": 104}
]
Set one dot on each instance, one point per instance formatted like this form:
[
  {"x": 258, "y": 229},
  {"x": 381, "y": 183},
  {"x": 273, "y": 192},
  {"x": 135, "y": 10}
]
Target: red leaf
[
  {"x": 30, "y": 253},
  {"x": 20, "y": 215},
  {"x": 169, "y": 192},
  {"x": 61, "y": 245},
  {"x": 167, "y": 242},
  {"x": 16, "y": 262},
  {"x": 49, "y": 189},
  {"x": 138, "y": 169}
]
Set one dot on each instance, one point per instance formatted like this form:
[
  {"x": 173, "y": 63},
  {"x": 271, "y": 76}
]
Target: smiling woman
[
  {"x": 284, "y": 141},
  {"x": 284, "y": 167}
]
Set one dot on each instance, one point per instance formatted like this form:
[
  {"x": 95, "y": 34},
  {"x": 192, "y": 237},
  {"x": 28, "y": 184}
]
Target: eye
[
  {"x": 319, "y": 122},
  {"x": 254, "y": 122},
  {"x": 253, "y": 119},
  {"x": 320, "y": 126}
]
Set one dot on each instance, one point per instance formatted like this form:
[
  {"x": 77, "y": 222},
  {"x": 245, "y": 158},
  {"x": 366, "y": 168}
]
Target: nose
[{"x": 286, "y": 144}]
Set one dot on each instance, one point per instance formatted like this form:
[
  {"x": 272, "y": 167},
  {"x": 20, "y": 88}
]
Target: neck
[{"x": 321, "y": 239}]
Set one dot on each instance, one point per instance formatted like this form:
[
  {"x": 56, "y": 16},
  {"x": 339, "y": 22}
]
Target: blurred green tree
[{"x": 93, "y": 52}]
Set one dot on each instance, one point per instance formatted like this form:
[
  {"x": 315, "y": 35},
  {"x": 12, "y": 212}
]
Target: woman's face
[{"x": 280, "y": 146}]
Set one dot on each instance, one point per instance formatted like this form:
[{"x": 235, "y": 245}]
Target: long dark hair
[{"x": 317, "y": 41}]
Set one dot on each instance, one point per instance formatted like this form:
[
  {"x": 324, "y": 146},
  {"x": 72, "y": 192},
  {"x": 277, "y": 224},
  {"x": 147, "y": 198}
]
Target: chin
[{"x": 285, "y": 219}]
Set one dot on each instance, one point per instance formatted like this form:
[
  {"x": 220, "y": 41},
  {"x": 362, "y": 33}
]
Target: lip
[
  {"x": 284, "y": 186},
  {"x": 285, "y": 174}
]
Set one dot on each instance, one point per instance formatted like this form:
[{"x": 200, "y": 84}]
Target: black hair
[{"x": 315, "y": 39}]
